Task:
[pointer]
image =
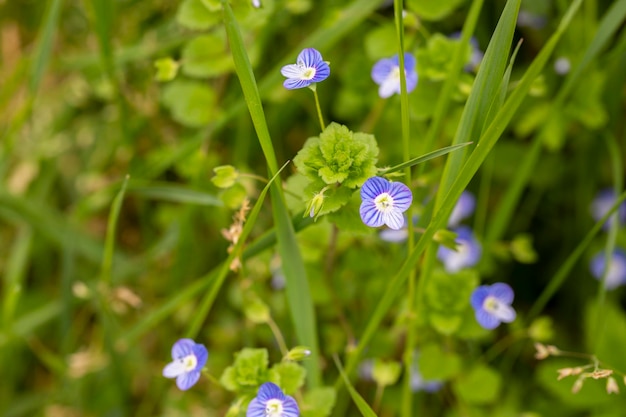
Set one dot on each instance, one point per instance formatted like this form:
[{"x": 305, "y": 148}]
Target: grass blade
[
  {"x": 424, "y": 158},
  {"x": 361, "y": 404}
]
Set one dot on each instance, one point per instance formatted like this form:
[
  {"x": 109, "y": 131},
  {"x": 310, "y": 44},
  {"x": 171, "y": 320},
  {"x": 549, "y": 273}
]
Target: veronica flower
[
  {"x": 602, "y": 203},
  {"x": 386, "y": 73},
  {"x": 492, "y": 305},
  {"x": 463, "y": 209},
  {"x": 384, "y": 202},
  {"x": 270, "y": 401},
  {"x": 189, "y": 358},
  {"x": 309, "y": 68},
  {"x": 466, "y": 255},
  {"x": 616, "y": 274}
]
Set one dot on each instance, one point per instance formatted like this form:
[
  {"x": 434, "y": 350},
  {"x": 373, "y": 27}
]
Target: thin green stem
[
  {"x": 278, "y": 336},
  {"x": 317, "y": 106}
]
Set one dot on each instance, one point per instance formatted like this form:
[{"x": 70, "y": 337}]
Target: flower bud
[{"x": 298, "y": 353}]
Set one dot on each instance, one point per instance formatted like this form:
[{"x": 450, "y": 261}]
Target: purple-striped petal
[
  {"x": 382, "y": 69},
  {"x": 486, "y": 319},
  {"x": 310, "y": 57},
  {"x": 187, "y": 380},
  {"x": 292, "y": 83},
  {"x": 503, "y": 292},
  {"x": 182, "y": 348},
  {"x": 394, "y": 220}
]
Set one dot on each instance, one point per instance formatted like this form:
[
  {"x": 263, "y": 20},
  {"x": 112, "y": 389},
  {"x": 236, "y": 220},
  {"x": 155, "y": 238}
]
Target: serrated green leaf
[
  {"x": 248, "y": 370},
  {"x": 319, "y": 402}
]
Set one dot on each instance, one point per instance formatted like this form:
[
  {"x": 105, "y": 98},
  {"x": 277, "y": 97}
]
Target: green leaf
[
  {"x": 206, "y": 56},
  {"x": 435, "y": 60},
  {"x": 447, "y": 297},
  {"x": 361, "y": 404},
  {"x": 479, "y": 386},
  {"x": 166, "y": 68},
  {"x": 319, "y": 402},
  {"x": 291, "y": 376},
  {"x": 225, "y": 176},
  {"x": 256, "y": 310},
  {"x": 386, "y": 373},
  {"x": 434, "y": 10},
  {"x": 435, "y": 364},
  {"x": 248, "y": 371},
  {"x": 195, "y": 15},
  {"x": 191, "y": 103},
  {"x": 173, "y": 193}
]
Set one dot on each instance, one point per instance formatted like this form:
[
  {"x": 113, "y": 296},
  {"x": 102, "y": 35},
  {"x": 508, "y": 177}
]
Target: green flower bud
[
  {"x": 298, "y": 353},
  {"x": 225, "y": 176}
]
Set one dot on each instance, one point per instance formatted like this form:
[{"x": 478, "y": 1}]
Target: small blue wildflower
[
  {"x": 386, "y": 73},
  {"x": 384, "y": 202},
  {"x": 270, "y": 401},
  {"x": 466, "y": 255},
  {"x": 602, "y": 203},
  {"x": 463, "y": 209},
  {"x": 492, "y": 305},
  {"x": 309, "y": 68},
  {"x": 189, "y": 359},
  {"x": 616, "y": 276}
]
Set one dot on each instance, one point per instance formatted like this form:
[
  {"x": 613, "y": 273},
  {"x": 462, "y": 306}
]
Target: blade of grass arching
[
  {"x": 297, "y": 288},
  {"x": 443, "y": 101},
  {"x": 109, "y": 242},
  {"x": 502, "y": 215},
  {"x": 14, "y": 274},
  {"x": 361, "y": 404},
  {"x": 173, "y": 193},
  {"x": 559, "y": 277},
  {"x": 486, "y": 143},
  {"x": 423, "y": 158},
  {"x": 618, "y": 185},
  {"x": 26, "y": 324},
  {"x": 207, "y": 302}
]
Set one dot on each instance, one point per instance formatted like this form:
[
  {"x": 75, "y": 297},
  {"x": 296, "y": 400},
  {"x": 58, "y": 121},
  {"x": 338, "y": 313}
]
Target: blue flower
[
  {"x": 616, "y": 274},
  {"x": 386, "y": 73},
  {"x": 309, "y": 68},
  {"x": 467, "y": 253},
  {"x": 463, "y": 209},
  {"x": 270, "y": 401},
  {"x": 384, "y": 202},
  {"x": 602, "y": 203},
  {"x": 189, "y": 359},
  {"x": 492, "y": 305}
]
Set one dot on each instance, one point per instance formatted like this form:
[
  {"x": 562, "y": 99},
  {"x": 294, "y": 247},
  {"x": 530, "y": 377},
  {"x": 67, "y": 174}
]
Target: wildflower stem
[
  {"x": 319, "y": 109},
  {"x": 210, "y": 377},
  {"x": 278, "y": 336}
]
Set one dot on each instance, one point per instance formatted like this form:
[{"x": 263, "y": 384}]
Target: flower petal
[
  {"x": 187, "y": 380},
  {"x": 310, "y": 57},
  {"x": 504, "y": 313},
  {"x": 389, "y": 87},
  {"x": 256, "y": 408},
  {"x": 322, "y": 71},
  {"x": 478, "y": 297},
  {"x": 270, "y": 391},
  {"x": 374, "y": 187},
  {"x": 503, "y": 292},
  {"x": 402, "y": 196},
  {"x": 182, "y": 348},
  {"x": 290, "y": 407},
  {"x": 486, "y": 320},
  {"x": 409, "y": 62},
  {"x": 292, "y": 71},
  {"x": 174, "y": 369},
  {"x": 394, "y": 219},
  {"x": 292, "y": 83},
  {"x": 202, "y": 354},
  {"x": 382, "y": 69},
  {"x": 370, "y": 215}
]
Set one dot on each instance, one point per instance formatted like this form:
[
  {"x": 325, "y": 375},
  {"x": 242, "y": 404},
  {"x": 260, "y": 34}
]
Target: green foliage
[
  {"x": 435, "y": 60},
  {"x": 338, "y": 156},
  {"x": 434, "y": 10},
  {"x": 206, "y": 56},
  {"x": 198, "y": 14},
  {"x": 319, "y": 402},
  {"x": 447, "y": 298},
  {"x": 437, "y": 364},
  {"x": 385, "y": 372},
  {"x": 225, "y": 176},
  {"x": 166, "y": 68},
  {"x": 191, "y": 103},
  {"x": 480, "y": 385},
  {"x": 290, "y": 376},
  {"x": 248, "y": 371}
]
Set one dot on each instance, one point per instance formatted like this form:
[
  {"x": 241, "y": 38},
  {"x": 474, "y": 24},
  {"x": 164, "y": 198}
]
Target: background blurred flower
[
  {"x": 492, "y": 305},
  {"x": 467, "y": 253},
  {"x": 386, "y": 73},
  {"x": 616, "y": 275},
  {"x": 463, "y": 209},
  {"x": 309, "y": 68},
  {"x": 602, "y": 203},
  {"x": 384, "y": 202},
  {"x": 272, "y": 402},
  {"x": 189, "y": 359}
]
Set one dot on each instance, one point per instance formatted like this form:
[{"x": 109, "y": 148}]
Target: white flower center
[
  {"x": 384, "y": 203},
  {"x": 189, "y": 362},
  {"x": 395, "y": 73},
  {"x": 308, "y": 73},
  {"x": 274, "y": 408}
]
